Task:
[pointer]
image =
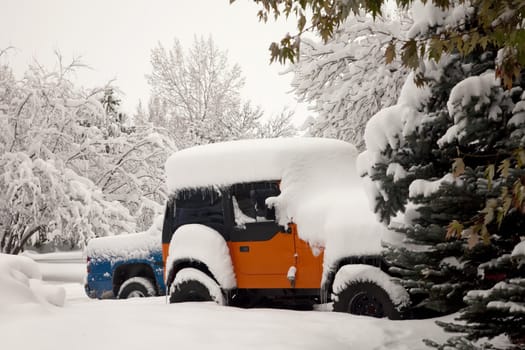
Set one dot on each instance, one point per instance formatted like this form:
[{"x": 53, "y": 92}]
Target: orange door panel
[
  {"x": 263, "y": 263},
  {"x": 309, "y": 266}
]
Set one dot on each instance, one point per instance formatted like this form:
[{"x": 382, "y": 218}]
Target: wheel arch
[
  {"x": 331, "y": 271},
  {"x": 201, "y": 247},
  {"x": 361, "y": 273},
  {"x": 125, "y": 271},
  {"x": 180, "y": 264}
]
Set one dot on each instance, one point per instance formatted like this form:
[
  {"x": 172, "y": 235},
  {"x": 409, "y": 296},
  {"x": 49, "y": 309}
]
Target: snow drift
[{"x": 21, "y": 283}]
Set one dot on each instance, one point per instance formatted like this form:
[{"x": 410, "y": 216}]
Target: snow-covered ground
[{"x": 151, "y": 323}]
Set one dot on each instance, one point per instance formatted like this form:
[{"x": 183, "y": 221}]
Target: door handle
[{"x": 244, "y": 249}]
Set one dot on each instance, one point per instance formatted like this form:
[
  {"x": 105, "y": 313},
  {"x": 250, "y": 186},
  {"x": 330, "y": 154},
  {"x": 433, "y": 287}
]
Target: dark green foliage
[{"x": 440, "y": 263}]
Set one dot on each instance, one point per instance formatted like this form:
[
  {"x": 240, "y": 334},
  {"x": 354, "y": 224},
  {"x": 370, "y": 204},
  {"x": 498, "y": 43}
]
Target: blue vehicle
[{"x": 125, "y": 266}]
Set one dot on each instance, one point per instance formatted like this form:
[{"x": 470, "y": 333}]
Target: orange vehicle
[{"x": 227, "y": 238}]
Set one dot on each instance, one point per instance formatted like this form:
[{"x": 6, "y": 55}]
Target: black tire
[
  {"x": 190, "y": 291},
  {"x": 193, "y": 289},
  {"x": 367, "y": 299},
  {"x": 136, "y": 287}
]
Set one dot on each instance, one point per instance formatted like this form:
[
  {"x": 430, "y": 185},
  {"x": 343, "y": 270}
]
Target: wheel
[
  {"x": 136, "y": 287},
  {"x": 365, "y": 298},
  {"x": 194, "y": 285}
]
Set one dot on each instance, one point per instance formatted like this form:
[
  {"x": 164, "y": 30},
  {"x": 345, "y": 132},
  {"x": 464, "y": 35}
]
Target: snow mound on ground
[{"x": 21, "y": 283}]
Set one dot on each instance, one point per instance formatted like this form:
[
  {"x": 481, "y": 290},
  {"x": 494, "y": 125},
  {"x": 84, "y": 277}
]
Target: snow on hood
[
  {"x": 21, "y": 283},
  {"x": 130, "y": 246},
  {"x": 320, "y": 189}
]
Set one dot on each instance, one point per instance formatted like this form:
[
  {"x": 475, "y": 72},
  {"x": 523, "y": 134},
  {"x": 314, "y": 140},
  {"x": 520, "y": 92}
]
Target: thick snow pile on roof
[
  {"x": 20, "y": 283},
  {"x": 127, "y": 246},
  {"x": 320, "y": 189},
  {"x": 232, "y": 162},
  {"x": 204, "y": 244}
]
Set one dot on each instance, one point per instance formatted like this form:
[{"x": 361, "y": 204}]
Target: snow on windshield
[{"x": 320, "y": 189}]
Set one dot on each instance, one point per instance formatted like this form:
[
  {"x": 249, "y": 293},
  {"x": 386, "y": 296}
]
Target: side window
[
  {"x": 200, "y": 207},
  {"x": 169, "y": 221},
  {"x": 243, "y": 212},
  {"x": 263, "y": 213},
  {"x": 249, "y": 202}
]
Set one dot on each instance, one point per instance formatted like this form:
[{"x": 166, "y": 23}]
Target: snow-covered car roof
[{"x": 239, "y": 161}]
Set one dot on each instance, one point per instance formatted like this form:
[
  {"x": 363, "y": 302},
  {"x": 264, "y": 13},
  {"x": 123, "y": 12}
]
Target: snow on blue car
[{"x": 125, "y": 266}]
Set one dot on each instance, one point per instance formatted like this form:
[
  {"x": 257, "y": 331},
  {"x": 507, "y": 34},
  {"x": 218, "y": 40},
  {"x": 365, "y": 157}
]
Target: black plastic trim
[{"x": 255, "y": 232}]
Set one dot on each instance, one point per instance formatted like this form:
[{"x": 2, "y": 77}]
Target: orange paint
[
  {"x": 265, "y": 264},
  {"x": 165, "y": 251}
]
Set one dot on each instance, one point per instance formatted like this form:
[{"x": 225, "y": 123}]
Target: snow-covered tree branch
[
  {"x": 346, "y": 80},
  {"x": 58, "y": 144},
  {"x": 196, "y": 95}
]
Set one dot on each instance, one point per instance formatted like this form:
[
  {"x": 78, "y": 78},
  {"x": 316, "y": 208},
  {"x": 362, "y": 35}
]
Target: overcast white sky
[{"x": 115, "y": 37}]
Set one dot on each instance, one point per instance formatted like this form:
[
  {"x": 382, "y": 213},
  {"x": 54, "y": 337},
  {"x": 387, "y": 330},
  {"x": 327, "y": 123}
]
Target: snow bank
[
  {"x": 125, "y": 247},
  {"x": 202, "y": 243},
  {"x": 20, "y": 283},
  {"x": 148, "y": 323}
]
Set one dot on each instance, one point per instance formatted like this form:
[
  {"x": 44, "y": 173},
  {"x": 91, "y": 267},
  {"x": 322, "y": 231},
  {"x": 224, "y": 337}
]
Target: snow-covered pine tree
[
  {"x": 459, "y": 120},
  {"x": 412, "y": 174},
  {"x": 497, "y": 309}
]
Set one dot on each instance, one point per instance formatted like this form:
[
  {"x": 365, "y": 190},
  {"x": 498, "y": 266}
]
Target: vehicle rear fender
[
  {"x": 124, "y": 272},
  {"x": 329, "y": 272},
  {"x": 204, "y": 248}
]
